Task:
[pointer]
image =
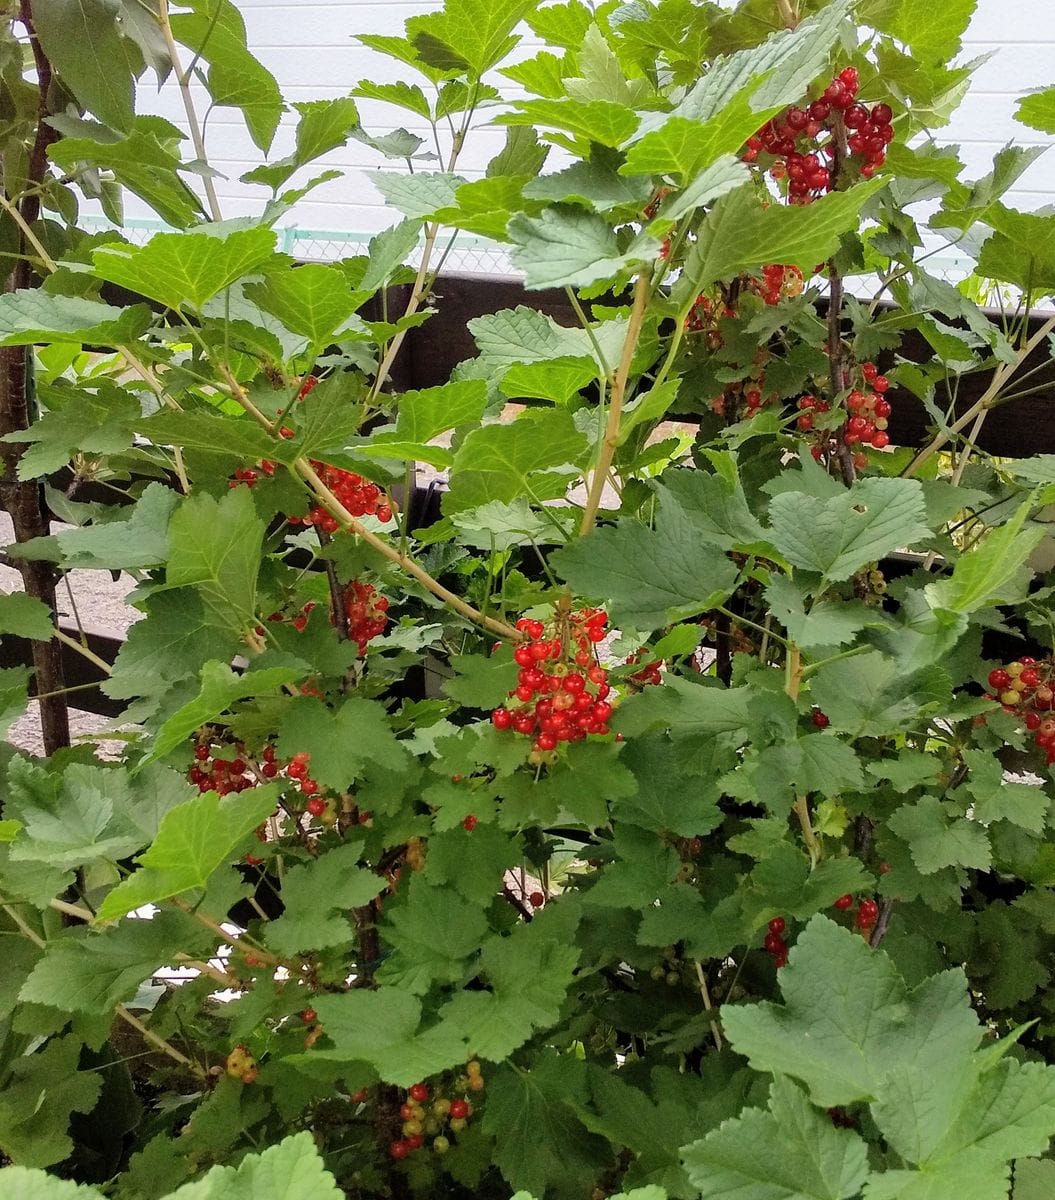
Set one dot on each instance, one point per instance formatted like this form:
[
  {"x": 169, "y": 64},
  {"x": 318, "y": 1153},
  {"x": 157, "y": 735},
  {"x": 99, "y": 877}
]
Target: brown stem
[
  {"x": 843, "y": 453},
  {"x": 864, "y": 830},
  {"x": 340, "y": 613},
  {"x": 886, "y": 911},
  {"x": 24, "y": 501}
]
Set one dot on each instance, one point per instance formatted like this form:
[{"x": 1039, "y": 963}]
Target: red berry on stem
[
  {"x": 537, "y": 899},
  {"x": 844, "y": 902},
  {"x": 470, "y": 823},
  {"x": 419, "y": 1093},
  {"x": 777, "y": 925},
  {"x": 459, "y": 1110}
]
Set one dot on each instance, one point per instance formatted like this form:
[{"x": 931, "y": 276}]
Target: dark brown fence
[{"x": 1018, "y": 429}]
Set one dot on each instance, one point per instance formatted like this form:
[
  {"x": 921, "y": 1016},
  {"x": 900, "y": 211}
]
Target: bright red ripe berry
[
  {"x": 384, "y": 513},
  {"x": 316, "y": 806},
  {"x": 1029, "y": 678},
  {"x": 415, "y": 1141},
  {"x": 399, "y": 1150},
  {"x": 470, "y": 823},
  {"x": 459, "y": 1110},
  {"x": 501, "y": 718},
  {"x": 419, "y": 1093},
  {"x": 882, "y": 114},
  {"x": 308, "y": 1016},
  {"x": 867, "y": 914},
  {"x": 537, "y": 899},
  {"x": 880, "y": 439},
  {"x": 844, "y": 902},
  {"x": 821, "y": 720},
  {"x": 869, "y": 370},
  {"x": 773, "y": 943},
  {"x": 880, "y": 384},
  {"x": 850, "y": 77},
  {"x": 777, "y": 925}
]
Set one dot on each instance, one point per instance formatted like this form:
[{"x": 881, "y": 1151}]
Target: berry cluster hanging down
[
  {"x": 562, "y": 690},
  {"x": 805, "y": 145},
  {"x": 1027, "y": 689}
]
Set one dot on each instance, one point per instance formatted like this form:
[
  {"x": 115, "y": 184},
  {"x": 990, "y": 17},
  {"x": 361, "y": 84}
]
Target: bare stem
[
  {"x": 705, "y": 993},
  {"x": 83, "y": 651},
  {"x": 244, "y": 945},
  {"x": 421, "y": 283},
  {"x": 615, "y": 405},
  {"x": 157, "y": 1042},
  {"x": 802, "y": 806},
  {"x": 193, "y": 124},
  {"x": 350, "y": 524}
]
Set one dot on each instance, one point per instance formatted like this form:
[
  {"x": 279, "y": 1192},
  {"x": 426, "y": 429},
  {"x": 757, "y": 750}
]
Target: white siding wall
[{"x": 311, "y": 48}]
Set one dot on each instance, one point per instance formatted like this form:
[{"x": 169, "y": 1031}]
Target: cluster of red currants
[
  {"x": 778, "y": 282},
  {"x": 867, "y": 911},
  {"x": 358, "y": 495},
  {"x": 562, "y": 690},
  {"x": 806, "y": 143},
  {"x": 441, "y": 1115},
  {"x": 1027, "y": 689},
  {"x": 212, "y": 772},
  {"x": 867, "y": 417},
  {"x": 774, "y": 943},
  {"x": 367, "y": 613}
]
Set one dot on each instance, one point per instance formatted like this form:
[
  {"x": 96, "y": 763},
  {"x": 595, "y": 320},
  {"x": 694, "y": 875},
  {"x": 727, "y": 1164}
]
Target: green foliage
[{"x": 649, "y": 804}]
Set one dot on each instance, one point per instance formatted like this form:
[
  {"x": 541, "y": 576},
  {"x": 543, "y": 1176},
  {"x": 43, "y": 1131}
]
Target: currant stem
[
  {"x": 92, "y": 657},
  {"x": 615, "y": 404},
  {"x": 705, "y": 993},
  {"x": 193, "y": 124},
  {"x": 350, "y": 524},
  {"x": 793, "y": 686}
]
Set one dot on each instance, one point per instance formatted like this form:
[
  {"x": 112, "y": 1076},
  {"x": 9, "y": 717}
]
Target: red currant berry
[
  {"x": 537, "y": 899},
  {"x": 773, "y": 943},
  {"x": 316, "y": 806},
  {"x": 844, "y": 902},
  {"x": 867, "y": 914},
  {"x": 999, "y": 679},
  {"x": 777, "y": 925},
  {"x": 470, "y": 823},
  {"x": 459, "y": 1110},
  {"x": 820, "y": 719},
  {"x": 419, "y": 1093},
  {"x": 308, "y": 1016}
]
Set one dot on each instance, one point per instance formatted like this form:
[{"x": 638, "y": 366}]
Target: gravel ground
[{"x": 100, "y": 604}]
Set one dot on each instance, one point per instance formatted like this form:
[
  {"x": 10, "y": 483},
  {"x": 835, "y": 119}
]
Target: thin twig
[
  {"x": 705, "y": 992},
  {"x": 183, "y": 79},
  {"x": 615, "y": 405},
  {"x": 83, "y": 651},
  {"x": 159, "y": 1043},
  {"x": 802, "y": 805}
]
